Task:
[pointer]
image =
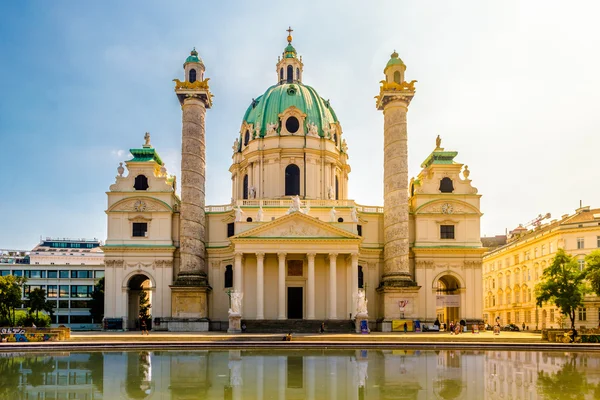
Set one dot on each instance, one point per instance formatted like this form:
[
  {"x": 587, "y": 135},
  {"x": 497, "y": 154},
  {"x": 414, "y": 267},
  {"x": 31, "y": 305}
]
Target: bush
[{"x": 24, "y": 319}]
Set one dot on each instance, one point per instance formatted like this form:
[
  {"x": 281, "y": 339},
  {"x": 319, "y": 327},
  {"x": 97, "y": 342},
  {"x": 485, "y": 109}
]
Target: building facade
[
  {"x": 67, "y": 269},
  {"x": 291, "y": 242},
  {"x": 512, "y": 271}
]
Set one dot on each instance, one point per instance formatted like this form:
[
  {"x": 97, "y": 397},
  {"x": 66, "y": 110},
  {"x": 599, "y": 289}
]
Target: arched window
[
  {"x": 245, "y": 189},
  {"x": 192, "y": 75},
  {"x": 335, "y": 138},
  {"x": 360, "y": 277},
  {"x": 229, "y": 276},
  {"x": 297, "y": 74},
  {"x": 337, "y": 188},
  {"x": 397, "y": 76},
  {"x": 141, "y": 183},
  {"x": 412, "y": 189},
  {"x": 281, "y": 74},
  {"x": 290, "y": 74},
  {"x": 246, "y": 138},
  {"x": 446, "y": 185},
  {"x": 292, "y": 180}
]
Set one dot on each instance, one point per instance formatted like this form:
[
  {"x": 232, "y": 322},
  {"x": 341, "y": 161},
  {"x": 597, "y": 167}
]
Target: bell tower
[{"x": 189, "y": 291}]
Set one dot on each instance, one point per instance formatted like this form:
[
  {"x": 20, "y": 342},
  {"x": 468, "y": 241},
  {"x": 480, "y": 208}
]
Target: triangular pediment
[{"x": 297, "y": 226}]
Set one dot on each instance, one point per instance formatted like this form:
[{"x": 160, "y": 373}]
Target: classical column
[
  {"x": 332, "y": 286},
  {"x": 354, "y": 282},
  {"x": 394, "y": 97},
  {"x": 310, "y": 287},
  {"x": 281, "y": 286},
  {"x": 250, "y": 177},
  {"x": 189, "y": 291},
  {"x": 260, "y": 309},
  {"x": 237, "y": 272}
]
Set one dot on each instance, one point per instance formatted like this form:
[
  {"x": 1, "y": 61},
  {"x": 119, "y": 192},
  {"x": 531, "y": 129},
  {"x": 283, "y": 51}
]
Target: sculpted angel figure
[
  {"x": 295, "y": 204},
  {"x": 260, "y": 215},
  {"x": 236, "y": 303},
  {"x": 238, "y": 214},
  {"x": 271, "y": 129},
  {"x": 438, "y": 142},
  {"x": 236, "y": 145},
  {"x": 306, "y": 209},
  {"x": 361, "y": 303},
  {"x": 147, "y": 139},
  {"x": 332, "y": 215},
  {"x": 252, "y": 191},
  {"x": 330, "y": 193},
  {"x": 313, "y": 130},
  {"x": 344, "y": 146},
  {"x": 354, "y": 214}
]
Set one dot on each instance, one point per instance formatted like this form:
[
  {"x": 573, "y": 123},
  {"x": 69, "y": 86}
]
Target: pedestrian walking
[
  {"x": 144, "y": 328},
  {"x": 322, "y": 330},
  {"x": 405, "y": 327}
]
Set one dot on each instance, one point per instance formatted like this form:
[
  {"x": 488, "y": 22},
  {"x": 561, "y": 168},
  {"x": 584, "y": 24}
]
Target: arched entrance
[
  {"x": 139, "y": 290},
  {"x": 448, "y": 299}
]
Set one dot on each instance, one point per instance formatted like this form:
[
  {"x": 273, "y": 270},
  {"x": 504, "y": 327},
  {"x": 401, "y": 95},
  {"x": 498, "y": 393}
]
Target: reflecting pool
[{"x": 301, "y": 374}]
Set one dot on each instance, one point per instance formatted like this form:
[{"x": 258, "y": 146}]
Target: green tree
[
  {"x": 568, "y": 381},
  {"x": 11, "y": 289},
  {"x": 97, "y": 301},
  {"x": 592, "y": 261},
  {"x": 145, "y": 305},
  {"x": 563, "y": 284},
  {"x": 37, "y": 301}
]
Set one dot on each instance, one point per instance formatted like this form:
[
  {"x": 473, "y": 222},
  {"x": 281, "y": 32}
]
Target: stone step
[{"x": 297, "y": 326}]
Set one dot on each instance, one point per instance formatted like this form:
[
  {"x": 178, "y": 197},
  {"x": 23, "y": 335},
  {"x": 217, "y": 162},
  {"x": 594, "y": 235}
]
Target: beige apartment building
[{"x": 511, "y": 271}]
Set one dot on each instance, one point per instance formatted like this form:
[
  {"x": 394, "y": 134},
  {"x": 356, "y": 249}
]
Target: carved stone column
[
  {"x": 394, "y": 99},
  {"x": 354, "y": 282},
  {"x": 281, "y": 286},
  {"x": 332, "y": 286},
  {"x": 237, "y": 272},
  {"x": 189, "y": 291},
  {"x": 310, "y": 287},
  {"x": 260, "y": 307}
]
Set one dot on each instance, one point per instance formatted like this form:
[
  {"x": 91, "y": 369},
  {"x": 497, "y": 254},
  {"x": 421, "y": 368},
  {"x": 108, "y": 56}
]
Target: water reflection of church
[{"x": 350, "y": 374}]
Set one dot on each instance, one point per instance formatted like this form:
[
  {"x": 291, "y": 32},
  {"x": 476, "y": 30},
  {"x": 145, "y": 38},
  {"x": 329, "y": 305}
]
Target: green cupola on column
[{"x": 194, "y": 67}]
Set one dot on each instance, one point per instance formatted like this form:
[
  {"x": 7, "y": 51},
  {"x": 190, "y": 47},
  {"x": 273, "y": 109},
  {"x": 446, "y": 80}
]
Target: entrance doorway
[
  {"x": 448, "y": 299},
  {"x": 139, "y": 301},
  {"x": 294, "y": 303}
]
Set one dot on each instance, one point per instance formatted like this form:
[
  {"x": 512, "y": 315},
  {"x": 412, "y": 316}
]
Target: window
[
  {"x": 290, "y": 74},
  {"x": 361, "y": 277},
  {"x": 494, "y": 301},
  {"x": 516, "y": 259},
  {"x": 230, "y": 229},
  {"x": 446, "y": 185},
  {"x": 81, "y": 290},
  {"x": 552, "y": 315},
  {"x": 598, "y": 241},
  {"x": 79, "y": 304},
  {"x": 63, "y": 304},
  {"x": 63, "y": 291},
  {"x": 292, "y": 180},
  {"x": 229, "y": 276},
  {"x": 517, "y": 319},
  {"x": 35, "y": 274},
  {"x": 81, "y": 319},
  {"x": 63, "y": 274},
  {"x": 543, "y": 249},
  {"x": 580, "y": 243},
  {"x": 141, "y": 183},
  {"x": 192, "y": 75},
  {"x": 535, "y": 253},
  {"x": 245, "y": 188},
  {"x": 529, "y": 295},
  {"x": 281, "y": 74},
  {"x": 508, "y": 298},
  {"x": 493, "y": 284},
  {"x": 63, "y": 319},
  {"x": 508, "y": 317},
  {"x": 98, "y": 274},
  {"x": 337, "y": 188},
  {"x": 582, "y": 314},
  {"x": 52, "y": 291},
  {"x": 81, "y": 274},
  {"x": 298, "y": 74},
  {"x": 53, "y": 274},
  {"x": 517, "y": 297},
  {"x": 17, "y": 272},
  {"x": 5, "y": 272},
  {"x": 550, "y": 249},
  {"x": 446, "y": 231},
  {"x": 581, "y": 264},
  {"x": 397, "y": 77},
  {"x": 246, "y": 138},
  {"x": 507, "y": 280},
  {"x": 139, "y": 229},
  {"x": 359, "y": 230},
  {"x": 292, "y": 124}
]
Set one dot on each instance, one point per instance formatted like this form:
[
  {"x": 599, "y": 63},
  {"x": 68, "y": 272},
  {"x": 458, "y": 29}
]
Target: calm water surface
[{"x": 360, "y": 374}]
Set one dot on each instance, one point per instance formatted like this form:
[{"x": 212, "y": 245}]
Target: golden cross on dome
[{"x": 289, "y": 31}]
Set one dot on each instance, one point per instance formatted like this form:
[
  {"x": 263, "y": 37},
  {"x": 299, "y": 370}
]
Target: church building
[{"x": 291, "y": 245}]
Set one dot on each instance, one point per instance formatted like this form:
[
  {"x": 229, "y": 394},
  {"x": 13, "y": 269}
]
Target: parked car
[{"x": 510, "y": 327}]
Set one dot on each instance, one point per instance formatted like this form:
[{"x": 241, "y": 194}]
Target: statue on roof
[
  {"x": 147, "y": 140},
  {"x": 438, "y": 142}
]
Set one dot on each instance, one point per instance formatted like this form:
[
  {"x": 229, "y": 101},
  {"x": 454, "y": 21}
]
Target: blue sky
[{"x": 512, "y": 86}]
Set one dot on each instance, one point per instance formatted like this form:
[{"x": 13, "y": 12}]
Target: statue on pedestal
[
  {"x": 259, "y": 217},
  {"x": 252, "y": 191},
  {"x": 330, "y": 193},
  {"x": 236, "y": 303},
  {"x": 239, "y": 214},
  {"x": 361, "y": 303},
  {"x": 295, "y": 206},
  {"x": 354, "y": 214},
  {"x": 332, "y": 215}
]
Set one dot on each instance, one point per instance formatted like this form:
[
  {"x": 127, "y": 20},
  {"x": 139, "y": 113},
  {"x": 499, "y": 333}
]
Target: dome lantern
[
  {"x": 193, "y": 67},
  {"x": 289, "y": 67}
]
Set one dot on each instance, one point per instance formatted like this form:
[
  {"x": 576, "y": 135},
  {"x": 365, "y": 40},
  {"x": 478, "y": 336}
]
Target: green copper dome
[
  {"x": 290, "y": 51},
  {"x": 394, "y": 60},
  {"x": 278, "y": 98},
  {"x": 193, "y": 58}
]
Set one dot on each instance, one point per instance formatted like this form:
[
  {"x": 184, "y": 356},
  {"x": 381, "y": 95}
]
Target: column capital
[
  {"x": 311, "y": 256},
  {"x": 333, "y": 255},
  {"x": 281, "y": 255},
  {"x": 238, "y": 254},
  {"x": 353, "y": 256},
  {"x": 260, "y": 255}
]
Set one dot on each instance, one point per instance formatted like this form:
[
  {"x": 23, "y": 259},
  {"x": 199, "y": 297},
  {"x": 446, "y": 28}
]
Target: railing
[{"x": 287, "y": 203}]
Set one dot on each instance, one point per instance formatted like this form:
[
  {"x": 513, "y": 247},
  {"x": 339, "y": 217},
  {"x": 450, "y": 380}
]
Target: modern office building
[{"x": 67, "y": 269}]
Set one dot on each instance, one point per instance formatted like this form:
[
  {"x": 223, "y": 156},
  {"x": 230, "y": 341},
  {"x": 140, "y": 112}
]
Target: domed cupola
[{"x": 290, "y": 123}]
